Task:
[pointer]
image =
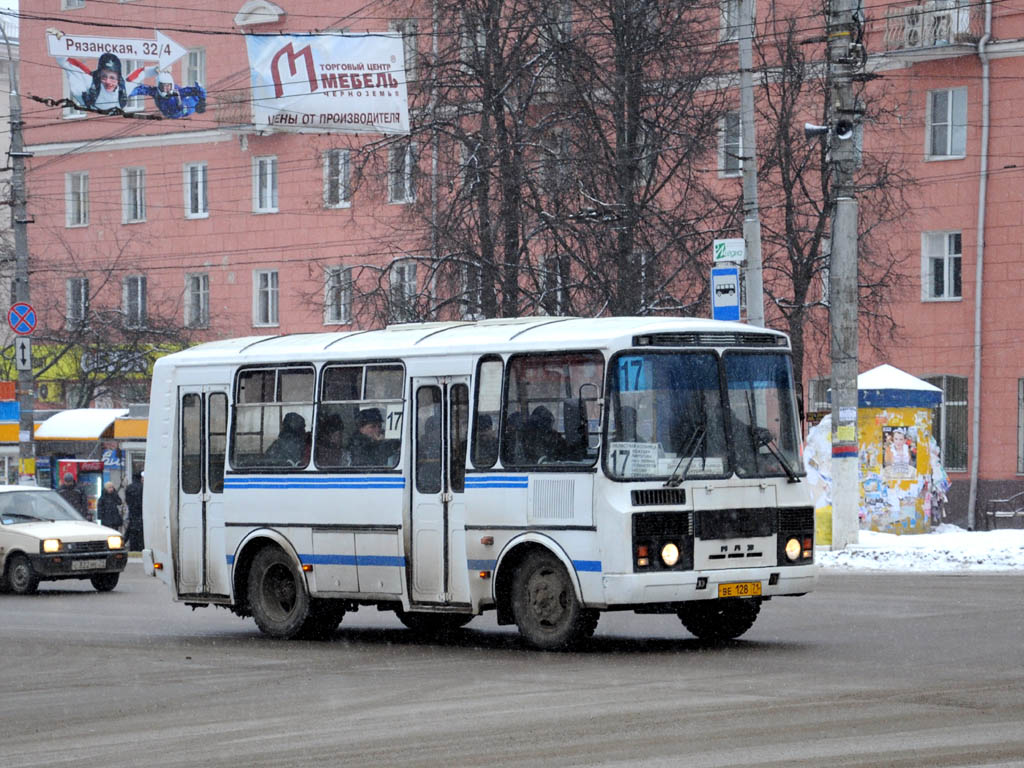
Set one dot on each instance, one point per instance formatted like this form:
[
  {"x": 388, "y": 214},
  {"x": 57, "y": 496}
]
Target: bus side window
[{"x": 487, "y": 412}]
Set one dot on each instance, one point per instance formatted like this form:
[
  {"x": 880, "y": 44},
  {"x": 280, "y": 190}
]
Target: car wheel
[
  {"x": 434, "y": 624},
  {"x": 719, "y": 619},
  {"x": 278, "y": 598},
  {"x": 104, "y": 582},
  {"x": 21, "y": 579},
  {"x": 545, "y": 607}
]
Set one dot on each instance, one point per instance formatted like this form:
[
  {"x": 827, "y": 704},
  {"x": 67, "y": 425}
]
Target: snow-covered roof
[
  {"x": 79, "y": 424},
  {"x": 889, "y": 377}
]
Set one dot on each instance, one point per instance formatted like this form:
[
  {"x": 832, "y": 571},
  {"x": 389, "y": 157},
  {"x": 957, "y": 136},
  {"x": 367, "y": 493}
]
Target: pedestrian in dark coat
[
  {"x": 109, "y": 508},
  {"x": 133, "y": 500},
  {"x": 73, "y": 495}
]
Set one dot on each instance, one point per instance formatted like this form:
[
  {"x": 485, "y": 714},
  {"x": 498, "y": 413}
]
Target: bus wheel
[
  {"x": 545, "y": 607},
  {"x": 719, "y": 619},
  {"x": 434, "y": 624},
  {"x": 324, "y": 617},
  {"x": 21, "y": 579},
  {"x": 277, "y": 594},
  {"x": 104, "y": 582}
]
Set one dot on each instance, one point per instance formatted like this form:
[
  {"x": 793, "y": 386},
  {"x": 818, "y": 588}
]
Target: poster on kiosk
[{"x": 88, "y": 474}]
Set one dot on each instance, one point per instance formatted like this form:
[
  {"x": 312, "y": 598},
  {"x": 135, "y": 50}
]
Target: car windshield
[
  {"x": 667, "y": 418},
  {"x": 26, "y": 506}
]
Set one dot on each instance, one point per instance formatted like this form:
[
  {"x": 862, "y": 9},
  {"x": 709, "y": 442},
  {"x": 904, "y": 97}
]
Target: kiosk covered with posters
[{"x": 902, "y": 481}]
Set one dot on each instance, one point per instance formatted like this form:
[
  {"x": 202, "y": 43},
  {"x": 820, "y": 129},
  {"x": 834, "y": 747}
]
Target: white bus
[{"x": 546, "y": 468}]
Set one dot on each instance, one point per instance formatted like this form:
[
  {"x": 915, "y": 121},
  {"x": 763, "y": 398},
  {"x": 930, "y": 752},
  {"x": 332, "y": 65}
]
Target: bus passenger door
[
  {"x": 201, "y": 562},
  {"x": 438, "y": 556}
]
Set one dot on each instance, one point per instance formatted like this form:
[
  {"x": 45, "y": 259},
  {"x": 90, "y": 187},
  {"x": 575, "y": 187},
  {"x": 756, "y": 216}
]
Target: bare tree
[
  {"x": 103, "y": 347},
  {"x": 797, "y": 198}
]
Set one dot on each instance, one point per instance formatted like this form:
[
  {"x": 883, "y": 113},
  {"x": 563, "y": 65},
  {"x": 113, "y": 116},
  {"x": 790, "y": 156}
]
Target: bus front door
[
  {"x": 438, "y": 541},
  {"x": 202, "y": 565}
]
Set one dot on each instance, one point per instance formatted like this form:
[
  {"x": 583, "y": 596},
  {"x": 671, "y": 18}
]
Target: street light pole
[
  {"x": 843, "y": 294},
  {"x": 20, "y": 292},
  {"x": 748, "y": 149}
]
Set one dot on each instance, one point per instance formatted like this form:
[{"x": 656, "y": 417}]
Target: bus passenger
[
  {"x": 541, "y": 439},
  {"x": 329, "y": 450},
  {"x": 290, "y": 446},
  {"x": 365, "y": 445},
  {"x": 486, "y": 442}
]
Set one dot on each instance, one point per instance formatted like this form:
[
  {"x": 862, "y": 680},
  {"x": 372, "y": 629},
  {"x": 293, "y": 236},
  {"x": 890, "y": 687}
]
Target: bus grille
[
  {"x": 795, "y": 520},
  {"x": 654, "y": 497},
  {"x": 709, "y": 340}
]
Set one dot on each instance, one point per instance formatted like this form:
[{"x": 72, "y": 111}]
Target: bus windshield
[{"x": 667, "y": 417}]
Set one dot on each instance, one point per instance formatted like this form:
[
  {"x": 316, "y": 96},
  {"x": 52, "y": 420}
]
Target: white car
[{"x": 43, "y": 538}]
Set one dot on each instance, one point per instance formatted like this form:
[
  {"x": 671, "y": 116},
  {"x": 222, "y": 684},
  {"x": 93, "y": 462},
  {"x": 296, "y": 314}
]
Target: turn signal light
[
  {"x": 485, "y": 574},
  {"x": 307, "y": 567},
  {"x": 158, "y": 566}
]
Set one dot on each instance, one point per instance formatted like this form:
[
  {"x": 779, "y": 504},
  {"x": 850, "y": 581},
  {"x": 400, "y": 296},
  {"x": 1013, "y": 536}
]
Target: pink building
[{"x": 214, "y": 227}]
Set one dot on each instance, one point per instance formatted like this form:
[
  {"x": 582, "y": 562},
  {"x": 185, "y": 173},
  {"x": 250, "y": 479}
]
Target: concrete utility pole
[
  {"x": 20, "y": 293},
  {"x": 844, "y": 56},
  {"x": 748, "y": 149}
]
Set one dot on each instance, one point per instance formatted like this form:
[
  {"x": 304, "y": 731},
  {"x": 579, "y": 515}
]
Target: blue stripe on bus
[
  {"x": 587, "y": 565},
  {"x": 481, "y": 565},
  {"x": 498, "y": 481},
  {"x": 385, "y": 560},
  {"x": 313, "y": 483}
]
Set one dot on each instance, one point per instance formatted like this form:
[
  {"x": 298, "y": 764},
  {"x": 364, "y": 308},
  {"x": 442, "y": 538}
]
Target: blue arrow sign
[{"x": 22, "y": 318}]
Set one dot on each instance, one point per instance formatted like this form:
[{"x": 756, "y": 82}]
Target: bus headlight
[
  {"x": 793, "y": 549},
  {"x": 51, "y": 545},
  {"x": 670, "y": 554}
]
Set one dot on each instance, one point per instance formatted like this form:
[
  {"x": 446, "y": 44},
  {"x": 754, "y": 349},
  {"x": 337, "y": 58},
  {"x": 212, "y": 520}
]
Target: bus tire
[
  {"x": 719, "y": 619},
  {"x": 324, "y": 617},
  {"x": 278, "y": 598},
  {"x": 104, "y": 582},
  {"x": 433, "y": 624},
  {"x": 545, "y": 607},
  {"x": 21, "y": 579}
]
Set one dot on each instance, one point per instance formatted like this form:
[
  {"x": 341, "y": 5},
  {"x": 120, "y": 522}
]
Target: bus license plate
[
  {"x": 85, "y": 565},
  {"x": 740, "y": 589}
]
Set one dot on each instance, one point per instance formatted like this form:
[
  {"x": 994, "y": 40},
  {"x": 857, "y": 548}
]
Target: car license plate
[
  {"x": 740, "y": 589},
  {"x": 86, "y": 565}
]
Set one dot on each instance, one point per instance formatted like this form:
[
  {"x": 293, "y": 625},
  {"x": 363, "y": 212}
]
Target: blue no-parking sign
[{"x": 22, "y": 318}]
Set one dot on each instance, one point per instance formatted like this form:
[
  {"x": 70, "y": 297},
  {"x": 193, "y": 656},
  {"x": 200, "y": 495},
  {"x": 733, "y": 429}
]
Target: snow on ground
[{"x": 947, "y": 548}]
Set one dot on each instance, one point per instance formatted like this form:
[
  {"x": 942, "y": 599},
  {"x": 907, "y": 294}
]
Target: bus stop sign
[
  {"x": 725, "y": 293},
  {"x": 22, "y": 318}
]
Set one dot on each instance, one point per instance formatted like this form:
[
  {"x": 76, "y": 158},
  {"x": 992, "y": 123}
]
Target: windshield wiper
[
  {"x": 764, "y": 437},
  {"x": 22, "y": 515},
  {"x": 688, "y": 455}
]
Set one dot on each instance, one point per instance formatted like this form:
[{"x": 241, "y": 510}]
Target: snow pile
[{"x": 947, "y": 548}]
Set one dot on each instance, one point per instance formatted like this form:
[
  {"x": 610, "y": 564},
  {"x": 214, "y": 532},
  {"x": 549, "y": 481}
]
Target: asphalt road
[{"x": 870, "y": 670}]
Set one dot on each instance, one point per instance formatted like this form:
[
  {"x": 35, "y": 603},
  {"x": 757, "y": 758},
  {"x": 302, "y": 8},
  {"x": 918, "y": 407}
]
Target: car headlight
[
  {"x": 51, "y": 545},
  {"x": 670, "y": 554},
  {"x": 114, "y": 542},
  {"x": 793, "y": 549}
]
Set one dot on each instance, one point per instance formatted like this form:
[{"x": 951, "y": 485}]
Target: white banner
[{"x": 329, "y": 83}]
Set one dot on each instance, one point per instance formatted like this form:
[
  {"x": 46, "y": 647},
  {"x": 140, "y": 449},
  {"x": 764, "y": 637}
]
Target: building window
[
  {"x": 401, "y": 174},
  {"x": 135, "y": 301},
  {"x": 817, "y": 400},
  {"x": 338, "y": 296},
  {"x": 730, "y": 143},
  {"x": 133, "y": 192},
  {"x": 197, "y": 205},
  {"x": 138, "y": 103},
  {"x": 403, "y": 291},
  {"x": 76, "y": 193},
  {"x": 264, "y": 303},
  {"x": 408, "y": 28},
  {"x": 195, "y": 67},
  {"x": 197, "y": 300},
  {"x": 950, "y": 426},
  {"x": 336, "y": 178},
  {"x": 947, "y": 123},
  {"x": 731, "y": 22},
  {"x": 77, "y": 302},
  {"x": 70, "y": 5},
  {"x": 264, "y": 185},
  {"x": 940, "y": 267}
]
